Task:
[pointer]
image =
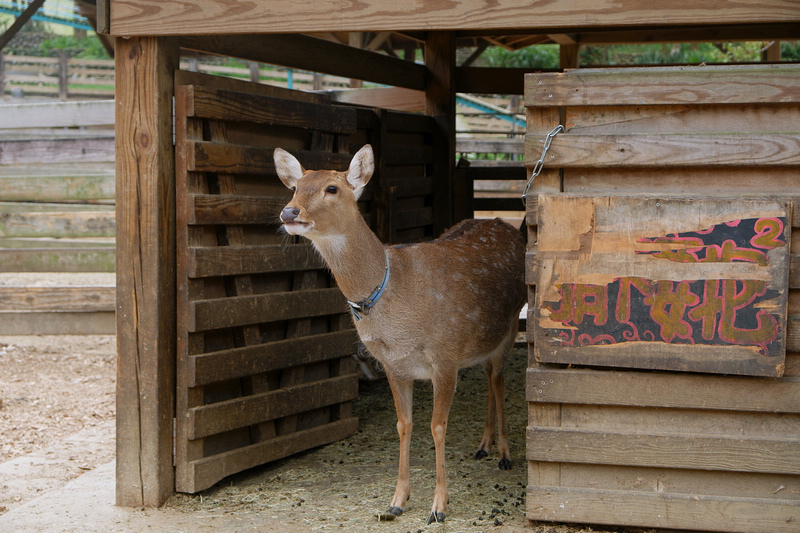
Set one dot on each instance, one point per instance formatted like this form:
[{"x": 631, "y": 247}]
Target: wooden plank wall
[
  {"x": 661, "y": 449},
  {"x": 265, "y": 343}
]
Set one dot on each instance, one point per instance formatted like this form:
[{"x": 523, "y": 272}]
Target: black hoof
[
  {"x": 480, "y": 454},
  {"x": 504, "y": 464},
  {"x": 436, "y": 517},
  {"x": 396, "y": 511}
]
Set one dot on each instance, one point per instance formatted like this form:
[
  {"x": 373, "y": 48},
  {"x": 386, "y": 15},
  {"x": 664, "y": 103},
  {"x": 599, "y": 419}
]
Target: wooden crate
[
  {"x": 647, "y": 426},
  {"x": 266, "y": 345}
]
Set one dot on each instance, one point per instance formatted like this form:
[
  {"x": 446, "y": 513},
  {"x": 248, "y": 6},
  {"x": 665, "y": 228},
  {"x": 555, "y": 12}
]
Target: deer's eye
[{"x": 332, "y": 189}]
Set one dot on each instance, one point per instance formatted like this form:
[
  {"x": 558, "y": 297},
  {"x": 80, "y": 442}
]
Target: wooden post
[
  {"x": 568, "y": 56},
  {"x": 145, "y": 206},
  {"x": 440, "y": 102},
  {"x": 62, "y": 75},
  {"x": 254, "y": 71},
  {"x": 772, "y": 52},
  {"x": 356, "y": 40}
]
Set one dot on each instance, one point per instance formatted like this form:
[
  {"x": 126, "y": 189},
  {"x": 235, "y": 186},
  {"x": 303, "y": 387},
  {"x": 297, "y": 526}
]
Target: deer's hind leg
[{"x": 495, "y": 414}]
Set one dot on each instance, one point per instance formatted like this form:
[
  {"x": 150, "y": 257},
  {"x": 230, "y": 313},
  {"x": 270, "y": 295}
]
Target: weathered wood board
[{"x": 697, "y": 285}]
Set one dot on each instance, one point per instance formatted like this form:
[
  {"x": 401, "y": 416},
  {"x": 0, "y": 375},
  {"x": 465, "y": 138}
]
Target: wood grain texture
[
  {"x": 72, "y": 299},
  {"x": 248, "y": 360},
  {"x": 662, "y": 510},
  {"x": 40, "y": 259},
  {"x": 232, "y": 209},
  {"x": 663, "y": 390},
  {"x": 58, "y": 115},
  {"x": 205, "y": 472},
  {"x": 701, "y": 85},
  {"x": 212, "y": 261},
  {"x": 690, "y": 451},
  {"x": 57, "y": 188},
  {"x": 270, "y": 307},
  {"x": 670, "y": 150},
  {"x": 221, "y": 104},
  {"x": 151, "y": 17},
  {"x": 247, "y": 411},
  {"x": 146, "y": 298},
  {"x": 68, "y": 150},
  {"x": 57, "y": 323},
  {"x": 57, "y": 224}
]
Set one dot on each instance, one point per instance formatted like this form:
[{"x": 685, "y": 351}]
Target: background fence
[{"x": 57, "y": 215}]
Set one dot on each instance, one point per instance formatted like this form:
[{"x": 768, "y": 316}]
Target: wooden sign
[{"x": 662, "y": 283}]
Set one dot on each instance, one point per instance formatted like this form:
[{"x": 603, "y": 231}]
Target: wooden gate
[{"x": 264, "y": 342}]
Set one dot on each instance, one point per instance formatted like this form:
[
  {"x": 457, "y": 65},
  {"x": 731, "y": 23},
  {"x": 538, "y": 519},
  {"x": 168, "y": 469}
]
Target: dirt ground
[{"x": 57, "y": 414}]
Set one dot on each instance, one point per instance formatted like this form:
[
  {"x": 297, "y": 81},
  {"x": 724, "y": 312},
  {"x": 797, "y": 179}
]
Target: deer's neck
[{"x": 356, "y": 258}]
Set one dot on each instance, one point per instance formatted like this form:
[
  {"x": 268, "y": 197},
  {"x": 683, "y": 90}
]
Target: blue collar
[{"x": 363, "y": 307}]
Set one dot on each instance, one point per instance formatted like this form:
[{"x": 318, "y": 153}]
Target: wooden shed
[{"x": 233, "y": 347}]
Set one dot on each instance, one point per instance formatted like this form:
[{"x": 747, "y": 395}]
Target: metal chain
[{"x": 537, "y": 168}]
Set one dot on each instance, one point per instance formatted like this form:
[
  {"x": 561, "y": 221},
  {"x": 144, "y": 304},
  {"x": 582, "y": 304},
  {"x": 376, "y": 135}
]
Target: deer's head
[{"x": 323, "y": 199}]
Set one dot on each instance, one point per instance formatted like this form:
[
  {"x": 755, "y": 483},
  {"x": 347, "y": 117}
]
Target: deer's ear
[
  {"x": 288, "y": 167},
  {"x": 361, "y": 168}
]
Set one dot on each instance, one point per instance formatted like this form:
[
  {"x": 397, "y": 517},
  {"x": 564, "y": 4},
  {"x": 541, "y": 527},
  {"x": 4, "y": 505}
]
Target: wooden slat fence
[
  {"x": 57, "y": 218},
  {"x": 65, "y": 77}
]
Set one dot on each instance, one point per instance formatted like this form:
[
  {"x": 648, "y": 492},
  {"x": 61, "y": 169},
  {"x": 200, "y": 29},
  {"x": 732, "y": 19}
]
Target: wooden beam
[
  {"x": 563, "y": 38},
  {"x": 145, "y": 270},
  {"x": 440, "y": 103},
  {"x": 386, "y": 97},
  {"x": 9, "y": 34},
  {"x": 103, "y": 17},
  {"x": 666, "y": 85},
  {"x": 317, "y": 55},
  {"x": 207, "y": 17},
  {"x": 708, "y": 33}
]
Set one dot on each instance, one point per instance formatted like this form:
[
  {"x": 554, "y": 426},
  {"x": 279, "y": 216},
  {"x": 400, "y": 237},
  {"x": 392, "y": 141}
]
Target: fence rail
[{"x": 72, "y": 78}]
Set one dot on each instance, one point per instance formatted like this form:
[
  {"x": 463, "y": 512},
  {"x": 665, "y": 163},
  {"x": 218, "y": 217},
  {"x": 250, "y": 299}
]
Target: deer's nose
[{"x": 289, "y": 214}]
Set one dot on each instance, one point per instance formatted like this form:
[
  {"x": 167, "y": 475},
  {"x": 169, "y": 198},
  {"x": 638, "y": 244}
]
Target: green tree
[{"x": 542, "y": 56}]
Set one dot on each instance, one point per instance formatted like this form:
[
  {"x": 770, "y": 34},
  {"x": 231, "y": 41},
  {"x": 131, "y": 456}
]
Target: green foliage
[
  {"x": 547, "y": 56},
  {"x": 790, "y": 51},
  {"x": 544, "y": 56},
  {"x": 680, "y": 54},
  {"x": 86, "y": 48}
]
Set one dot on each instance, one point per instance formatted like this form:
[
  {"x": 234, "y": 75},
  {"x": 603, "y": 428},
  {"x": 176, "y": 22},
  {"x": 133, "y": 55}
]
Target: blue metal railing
[
  {"x": 55, "y": 11},
  {"x": 491, "y": 110}
]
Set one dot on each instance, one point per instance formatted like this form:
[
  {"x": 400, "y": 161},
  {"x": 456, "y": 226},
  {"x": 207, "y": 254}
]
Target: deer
[{"x": 423, "y": 310}]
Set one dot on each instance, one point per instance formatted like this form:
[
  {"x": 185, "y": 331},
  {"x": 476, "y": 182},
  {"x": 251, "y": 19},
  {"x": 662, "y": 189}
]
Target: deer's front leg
[
  {"x": 444, "y": 387},
  {"x": 403, "y": 392}
]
